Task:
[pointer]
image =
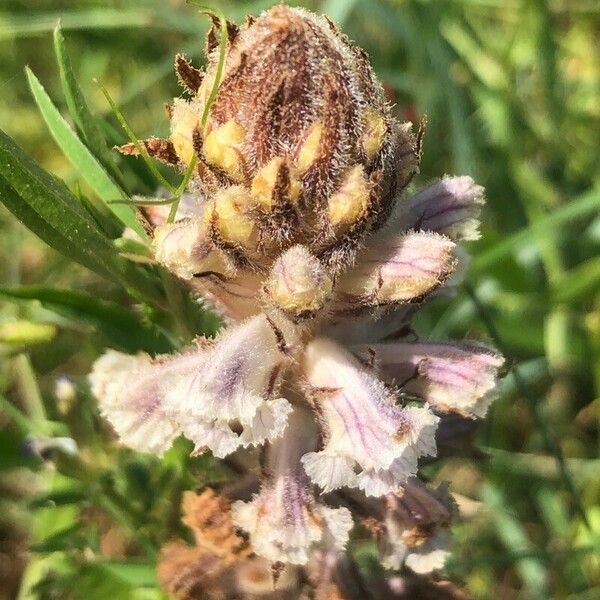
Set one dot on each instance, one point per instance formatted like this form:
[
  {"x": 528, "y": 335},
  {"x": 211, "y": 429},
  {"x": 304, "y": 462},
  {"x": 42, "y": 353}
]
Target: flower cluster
[{"x": 295, "y": 230}]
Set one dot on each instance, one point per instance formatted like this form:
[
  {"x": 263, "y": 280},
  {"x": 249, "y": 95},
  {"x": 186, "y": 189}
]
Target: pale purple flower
[
  {"x": 285, "y": 521},
  {"x": 369, "y": 440},
  {"x": 450, "y": 206},
  {"x": 221, "y": 395},
  {"x": 450, "y": 377}
]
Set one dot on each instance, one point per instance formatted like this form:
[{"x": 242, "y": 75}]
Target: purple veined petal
[
  {"x": 369, "y": 441},
  {"x": 242, "y": 370},
  {"x": 231, "y": 402},
  {"x": 451, "y": 377},
  {"x": 396, "y": 269},
  {"x": 377, "y": 482},
  {"x": 131, "y": 391},
  {"x": 450, "y": 206},
  {"x": 284, "y": 521}
]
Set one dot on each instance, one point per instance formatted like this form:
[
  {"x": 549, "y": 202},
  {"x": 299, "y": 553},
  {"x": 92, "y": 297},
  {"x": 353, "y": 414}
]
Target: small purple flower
[
  {"x": 369, "y": 440},
  {"x": 285, "y": 521}
]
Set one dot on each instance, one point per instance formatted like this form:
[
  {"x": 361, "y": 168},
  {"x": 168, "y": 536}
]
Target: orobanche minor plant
[{"x": 295, "y": 230}]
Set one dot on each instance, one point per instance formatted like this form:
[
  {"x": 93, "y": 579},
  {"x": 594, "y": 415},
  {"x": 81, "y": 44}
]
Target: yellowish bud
[
  {"x": 222, "y": 148},
  {"x": 350, "y": 202},
  {"x": 185, "y": 248},
  {"x": 374, "y": 134},
  {"x": 263, "y": 184},
  {"x": 398, "y": 269},
  {"x": 309, "y": 151},
  {"x": 184, "y": 119},
  {"x": 230, "y": 215},
  {"x": 298, "y": 282}
]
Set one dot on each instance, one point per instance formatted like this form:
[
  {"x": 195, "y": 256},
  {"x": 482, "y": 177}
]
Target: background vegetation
[{"x": 511, "y": 89}]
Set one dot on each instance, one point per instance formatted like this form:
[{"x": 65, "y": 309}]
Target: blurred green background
[{"x": 511, "y": 89}]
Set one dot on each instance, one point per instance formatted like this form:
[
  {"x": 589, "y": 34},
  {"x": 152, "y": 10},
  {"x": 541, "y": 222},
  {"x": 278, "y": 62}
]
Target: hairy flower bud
[
  {"x": 296, "y": 92},
  {"x": 396, "y": 269},
  {"x": 275, "y": 184},
  {"x": 185, "y": 249},
  {"x": 228, "y": 214},
  {"x": 184, "y": 121},
  {"x": 298, "y": 283},
  {"x": 222, "y": 148}
]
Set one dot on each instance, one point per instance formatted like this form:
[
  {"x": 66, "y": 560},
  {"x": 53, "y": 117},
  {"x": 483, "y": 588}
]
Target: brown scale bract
[
  {"x": 208, "y": 516},
  {"x": 221, "y": 565}
]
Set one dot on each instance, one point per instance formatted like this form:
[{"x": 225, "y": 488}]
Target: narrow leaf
[
  {"x": 80, "y": 157},
  {"x": 45, "y": 205},
  {"x": 87, "y": 124},
  {"x": 78, "y": 108}
]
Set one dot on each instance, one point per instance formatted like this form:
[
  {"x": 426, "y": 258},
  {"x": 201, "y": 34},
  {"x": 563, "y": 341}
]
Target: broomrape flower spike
[{"x": 295, "y": 229}]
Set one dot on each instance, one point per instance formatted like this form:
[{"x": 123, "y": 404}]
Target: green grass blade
[
  {"x": 514, "y": 538},
  {"x": 579, "y": 207},
  {"x": 80, "y": 157},
  {"x": 87, "y": 124},
  {"x": 78, "y": 108},
  {"x": 134, "y": 140},
  {"x": 32, "y": 23},
  {"x": 121, "y": 326},
  {"x": 524, "y": 390}
]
